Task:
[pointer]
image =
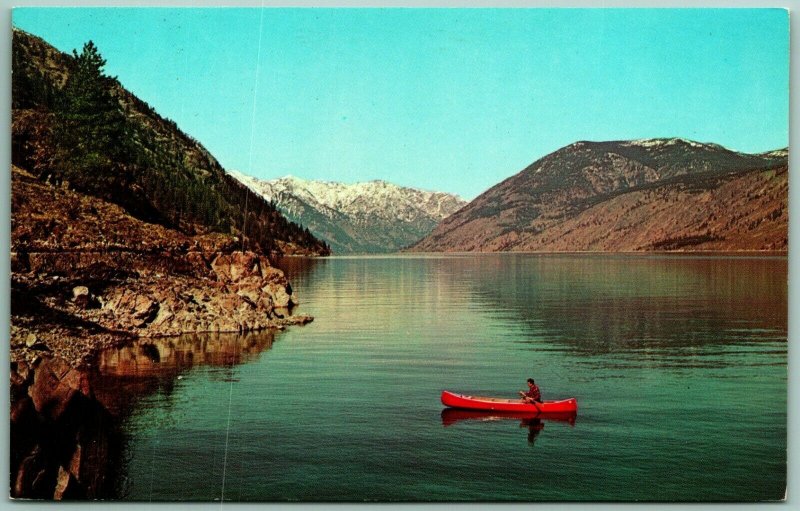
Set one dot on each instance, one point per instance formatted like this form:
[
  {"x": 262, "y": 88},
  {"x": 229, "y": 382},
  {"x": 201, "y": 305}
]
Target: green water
[{"x": 679, "y": 365}]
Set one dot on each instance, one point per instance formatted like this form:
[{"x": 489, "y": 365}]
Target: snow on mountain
[
  {"x": 666, "y": 142},
  {"x": 778, "y": 153},
  {"x": 374, "y": 216}
]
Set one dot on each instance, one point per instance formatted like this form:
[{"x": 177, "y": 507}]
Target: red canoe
[{"x": 506, "y": 405}]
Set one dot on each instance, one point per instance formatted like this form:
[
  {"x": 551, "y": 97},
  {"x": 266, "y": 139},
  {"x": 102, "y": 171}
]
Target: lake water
[{"x": 679, "y": 365}]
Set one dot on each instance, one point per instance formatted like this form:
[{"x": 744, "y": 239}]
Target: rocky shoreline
[
  {"x": 102, "y": 302},
  {"x": 87, "y": 276}
]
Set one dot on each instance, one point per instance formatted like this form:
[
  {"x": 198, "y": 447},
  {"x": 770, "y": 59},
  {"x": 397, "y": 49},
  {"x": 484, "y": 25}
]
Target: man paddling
[{"x": 533, "y": 395}]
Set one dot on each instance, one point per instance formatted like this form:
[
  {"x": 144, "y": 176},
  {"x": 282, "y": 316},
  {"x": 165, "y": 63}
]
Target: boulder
[
  {"x": 144, "y": 310},
  {"x": 198, "y": 263},
  {"x": 20, "y": 262},
  {"x": 31, "y": 340},
  {"x": 272, "y": 274},
  {"x": 237, "y": 265},
  {"x": 278, "y": 293},
  {"x": 75, "y": 462},
  {"x": 55, "y": 385},
  {"x": 81, "y": 297},
  {"x": 221, "y": 266},
  {"x": 66, "y": 485},
  {"x": 164, "y": 316},
  {"x": 197, "y": 291},
  {"x": 20, "y": 408}
]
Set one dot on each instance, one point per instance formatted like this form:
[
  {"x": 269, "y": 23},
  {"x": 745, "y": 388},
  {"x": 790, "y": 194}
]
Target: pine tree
[{"x": 90, "y": 129}]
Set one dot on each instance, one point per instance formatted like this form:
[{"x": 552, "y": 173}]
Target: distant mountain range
[
  {"x": 370, "y": 217},
  {"x": 639, "y": 195}
]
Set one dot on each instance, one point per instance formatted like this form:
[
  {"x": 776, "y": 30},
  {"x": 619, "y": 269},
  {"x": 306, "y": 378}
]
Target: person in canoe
[{"x": 533, "y": 395}]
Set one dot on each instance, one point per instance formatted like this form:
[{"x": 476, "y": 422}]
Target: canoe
[
  {"x": 454, "y": 400},
  {"x": 452, "y": 416}
]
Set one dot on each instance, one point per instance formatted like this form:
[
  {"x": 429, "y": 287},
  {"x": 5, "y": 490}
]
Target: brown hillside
[{"x": 664, "y": 194}]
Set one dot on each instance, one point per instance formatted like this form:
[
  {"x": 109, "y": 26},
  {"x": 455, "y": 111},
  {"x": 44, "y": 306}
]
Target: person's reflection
[{"x": 535, "y": 426}]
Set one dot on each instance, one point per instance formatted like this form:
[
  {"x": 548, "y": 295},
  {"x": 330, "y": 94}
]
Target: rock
[
  {"x": 272, "y": 274},
  {"x": 54, "y": 388},
  {"x": 221, "y": 266},
  {"x": 31, "y": 476},
  {"x": 20, "y": 262},
  {"x": 31, "y": 339},
  {"x": 16, "y": 379},
  {"x": 198, "y": 263},
  {"x": 81, "y": 296},
  {"x": 66, "y": 485},
  {"x": 303, "y": 319},
  {"x": 20, "y": 408},
  {"x": 166, "y": 291},
  {"x": 279, "y": 295},
  {"x": 164, "y": 316},
  {"x": 300, "y": 319},
  {"x": 237, "y": 265},
  {"x": 75, "y": 462},
  {"x": 144, "y": 310},
  {"x": 78, "y": 380}
]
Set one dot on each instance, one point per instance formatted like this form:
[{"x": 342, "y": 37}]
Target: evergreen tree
[{"x": 90, "y": 128}]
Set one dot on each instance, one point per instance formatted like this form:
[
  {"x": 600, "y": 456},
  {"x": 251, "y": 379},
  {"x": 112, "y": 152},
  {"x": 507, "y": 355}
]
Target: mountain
[
  {"x": 371, "y": 217},
  {"x": 76, "y": 127},
  {"x": 638, "y": 195}
]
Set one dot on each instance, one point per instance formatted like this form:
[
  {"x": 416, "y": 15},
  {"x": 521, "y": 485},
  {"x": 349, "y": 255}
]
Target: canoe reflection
[
  {"x": 452, "y": 415},
  {"x": 531, "y": 420}
]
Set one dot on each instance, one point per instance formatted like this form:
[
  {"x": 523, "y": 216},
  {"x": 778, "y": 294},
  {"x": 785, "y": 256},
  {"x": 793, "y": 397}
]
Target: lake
[{"x": 678, "y": 363}]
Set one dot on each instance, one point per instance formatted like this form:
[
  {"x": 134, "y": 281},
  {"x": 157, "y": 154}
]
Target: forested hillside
[{"x": 76, "y": 127}]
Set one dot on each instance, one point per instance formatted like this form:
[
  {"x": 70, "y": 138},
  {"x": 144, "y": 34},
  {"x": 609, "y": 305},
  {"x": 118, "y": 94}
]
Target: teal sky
[{"x": 442, "y": 99}]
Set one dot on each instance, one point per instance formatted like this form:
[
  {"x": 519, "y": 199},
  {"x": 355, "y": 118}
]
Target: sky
[{"x": 454, "y": 100}]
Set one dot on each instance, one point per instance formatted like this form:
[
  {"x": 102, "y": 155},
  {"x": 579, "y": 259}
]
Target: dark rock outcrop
[{"x": 64, "y": 443}]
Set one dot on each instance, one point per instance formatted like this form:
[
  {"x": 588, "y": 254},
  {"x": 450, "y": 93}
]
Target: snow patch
[{"x": 666, "y": 142}]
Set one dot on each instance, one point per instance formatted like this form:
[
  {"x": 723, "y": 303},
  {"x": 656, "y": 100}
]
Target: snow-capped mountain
[{"x": 370, "y": 217}]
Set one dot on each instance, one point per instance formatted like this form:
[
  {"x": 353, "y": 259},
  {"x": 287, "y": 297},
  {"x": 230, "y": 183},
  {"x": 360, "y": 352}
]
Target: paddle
[{"x": 538, "y": 410}]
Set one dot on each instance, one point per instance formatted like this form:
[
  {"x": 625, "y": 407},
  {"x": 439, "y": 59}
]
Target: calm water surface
[{"x": 679, "y": 365}]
